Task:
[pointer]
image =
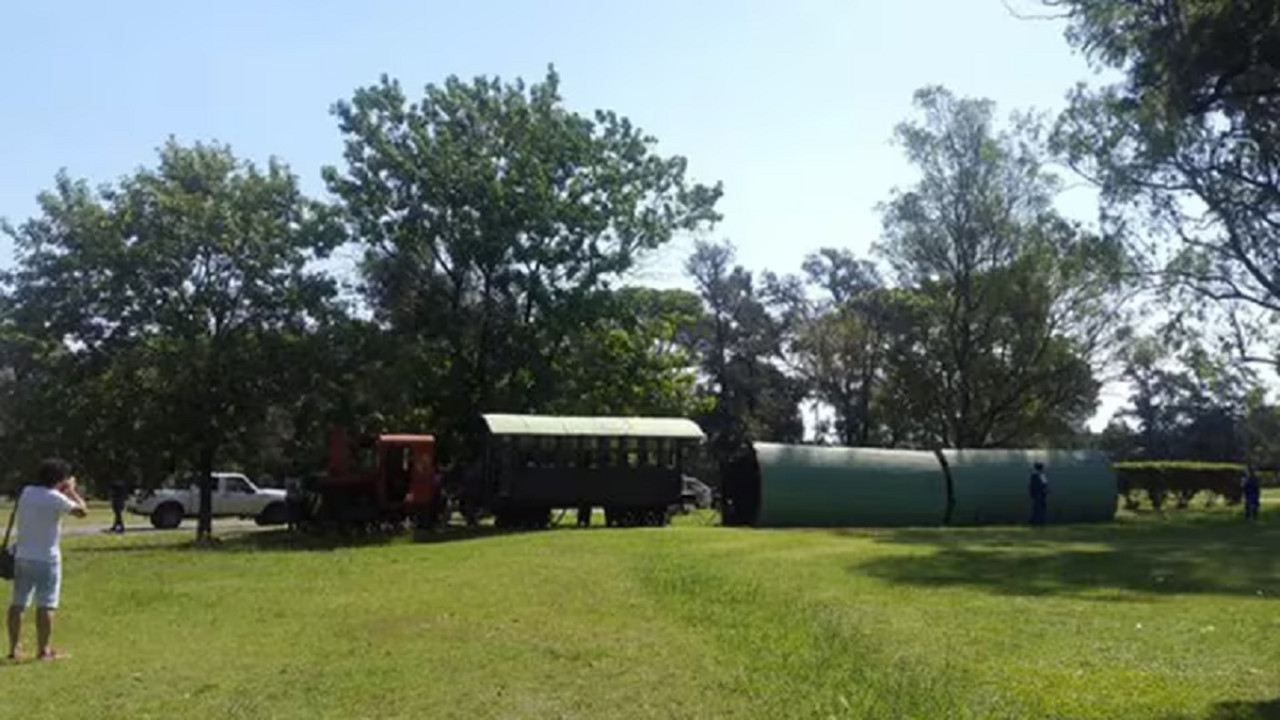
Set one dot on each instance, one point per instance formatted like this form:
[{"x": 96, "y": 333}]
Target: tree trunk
[{"x": 204, "y": 524}]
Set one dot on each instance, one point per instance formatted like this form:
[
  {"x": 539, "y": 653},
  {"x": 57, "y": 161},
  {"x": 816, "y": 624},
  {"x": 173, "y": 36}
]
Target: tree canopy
[
  {"x": 1186, "y": 146},
  {"x": 494, "y": 222},
  {"x": 166, "y": 310}
]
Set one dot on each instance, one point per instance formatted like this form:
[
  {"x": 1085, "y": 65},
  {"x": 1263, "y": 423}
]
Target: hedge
[{"x": 1183, "y": 480}]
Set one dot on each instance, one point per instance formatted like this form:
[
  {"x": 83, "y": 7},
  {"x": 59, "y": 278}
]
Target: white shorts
[{"x": 39, "y": 579}]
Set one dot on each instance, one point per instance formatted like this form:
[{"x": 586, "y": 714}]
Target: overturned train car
[{"x": 775, "y": 485}]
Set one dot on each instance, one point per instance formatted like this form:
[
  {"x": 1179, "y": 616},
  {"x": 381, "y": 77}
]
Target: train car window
[
  {"x": 505, "y": 451},
  {"x": 365, "y": 458},
  {"x": 602, "y": 452},
  {"x": 547, "y": 451},
  {"x": 564, "y": 451},
  {"x": 423, "y": 459},
  {"x": 567, "y": 455},
  {"x": 623, "y": 450}
]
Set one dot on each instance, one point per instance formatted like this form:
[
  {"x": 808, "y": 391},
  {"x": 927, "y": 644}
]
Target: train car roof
[
  {"x": 405, "y": 438},
  {"x": 596, "y": 426}
]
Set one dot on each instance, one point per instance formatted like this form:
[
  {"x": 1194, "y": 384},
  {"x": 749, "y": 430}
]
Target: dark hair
[
  {"x": 1038, "y": 465},
  {"x": 53, "y": 471}
]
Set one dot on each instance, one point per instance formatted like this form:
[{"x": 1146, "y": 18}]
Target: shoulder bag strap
[{"x": 12, "y": 514}]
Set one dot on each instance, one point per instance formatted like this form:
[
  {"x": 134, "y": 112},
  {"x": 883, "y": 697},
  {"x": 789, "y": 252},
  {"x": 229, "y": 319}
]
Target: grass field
[{"x": 1150, "y": 617}]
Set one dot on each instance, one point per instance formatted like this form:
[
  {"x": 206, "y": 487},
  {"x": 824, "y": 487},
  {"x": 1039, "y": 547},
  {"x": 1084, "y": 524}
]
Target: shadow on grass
[
  {"x": 1237, "y": 710},
  {"x": 284, "y": 540},
  {"x": 1266, "y": 710},
  {"x": 1123, "y": 561}
]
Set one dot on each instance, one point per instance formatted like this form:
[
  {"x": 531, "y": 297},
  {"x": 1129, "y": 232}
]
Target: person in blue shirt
[
  {"x": 1252, "y": 493},
  {"x": 1039, "y": 487}
]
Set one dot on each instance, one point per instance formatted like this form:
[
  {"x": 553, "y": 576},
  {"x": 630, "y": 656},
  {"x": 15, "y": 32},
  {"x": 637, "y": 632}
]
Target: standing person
[
  {"x": 1252, "y": 493},
  {"x": 38, "y": 555},
  {"x": 1039, "y": 494},
  {"x": 119, "y": 493}
]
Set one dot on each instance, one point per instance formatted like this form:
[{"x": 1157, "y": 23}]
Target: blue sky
[{"x": 791, "y": 104}]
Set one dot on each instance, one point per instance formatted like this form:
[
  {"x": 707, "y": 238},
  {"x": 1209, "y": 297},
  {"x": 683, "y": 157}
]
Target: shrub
[{"x": 1182, "y": 480}]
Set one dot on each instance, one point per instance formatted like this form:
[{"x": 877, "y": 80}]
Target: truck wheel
[
  {"x": 274, "y": 514},
  {"x": 167, "y": 517}
]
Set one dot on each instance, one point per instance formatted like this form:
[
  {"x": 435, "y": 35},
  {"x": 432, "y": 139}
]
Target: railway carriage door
[
  {"x": 422, "y": 475},
  {"x": 396, "y": 469},
  {"x": 500, "y": 465}
]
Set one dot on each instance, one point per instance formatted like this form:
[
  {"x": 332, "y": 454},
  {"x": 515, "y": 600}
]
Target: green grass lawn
[{"x": 1149, "y": 617}]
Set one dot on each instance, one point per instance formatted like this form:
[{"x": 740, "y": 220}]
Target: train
[{"x": 522, "y": 469}]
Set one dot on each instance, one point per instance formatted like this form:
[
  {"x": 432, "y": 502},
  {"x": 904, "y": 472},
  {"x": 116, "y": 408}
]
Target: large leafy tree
[
  {"x": 1185, "y": 147},
  {"x": 741, "y": 344},
  {"x": 177, "y": 300},
  {"x": 1009, "y": 305},
  {"x": 1190, "y": 403},
  {"x": 636, "y": 359},
  {"x": 839, "y": 340},
  {"x": 494, "y": 220}
]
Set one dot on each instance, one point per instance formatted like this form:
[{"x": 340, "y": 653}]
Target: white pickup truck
[{"x": 234, "y": 495}]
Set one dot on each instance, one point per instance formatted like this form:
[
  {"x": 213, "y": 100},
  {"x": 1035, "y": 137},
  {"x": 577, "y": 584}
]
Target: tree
[
  {"x": 740, "y": 344},
  {"x": 637, "y": 358},
  {"x": 1186, "y": 146},
  {"x": 846, "y": 342},
  {"x": 182, "y": 290},
  {"x": 494, "y": 220},
  {"x": 1008, "y": 306},
  {"x": 838, "y": 340},
  {"x": 1187, "y": 403}
]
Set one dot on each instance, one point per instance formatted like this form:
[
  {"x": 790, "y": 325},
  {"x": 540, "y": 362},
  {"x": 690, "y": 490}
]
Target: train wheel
[
  {"x": 541, "y": 519},
  {"x": 470, "y": 515}
]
